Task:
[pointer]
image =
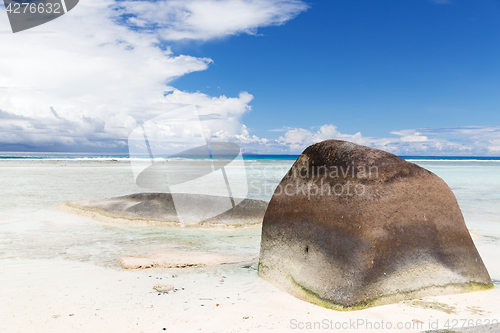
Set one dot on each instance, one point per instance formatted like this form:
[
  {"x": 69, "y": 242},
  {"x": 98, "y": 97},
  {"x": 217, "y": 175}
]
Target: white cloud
[
  {"x": 495, "y": 149},
  {"x": 91, "y": 71},
  {"x": 410, "y": 136},
  {"x": 203, "y": 20},
  {"x": 298, "y": 139},
  {"x": 93, "y": 79},
  {"x": 220, "y": 115},
  {"x": 460, "y": 141},
  {"x": 477, "y": 139}
]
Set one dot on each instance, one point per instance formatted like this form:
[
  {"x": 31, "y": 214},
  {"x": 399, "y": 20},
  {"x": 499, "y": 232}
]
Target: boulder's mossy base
[{"x": 314, "y": 297}]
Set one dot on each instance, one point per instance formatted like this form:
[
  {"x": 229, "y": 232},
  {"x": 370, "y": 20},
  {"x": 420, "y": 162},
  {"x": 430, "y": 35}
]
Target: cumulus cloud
[
  {"x": 477, "y": 139},
  {"x": 96, "y": 75},
  {"x": 410, "y": 136},
  {"x": 220, "y": 116},
  {"x": 203, "y": 20},
  {"x": 459, "y": 141},
  {"x": 298, "y": 138}
]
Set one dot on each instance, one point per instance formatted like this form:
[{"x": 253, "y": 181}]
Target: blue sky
[
  {"x": 416, "y": 77},
  {"x": 369, "y": 66}
]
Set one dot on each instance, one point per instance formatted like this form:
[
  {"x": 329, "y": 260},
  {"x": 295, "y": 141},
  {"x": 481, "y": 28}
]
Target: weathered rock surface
[
  {"x": 351, "y": 226},
  {"x": 159, "y": 209}
]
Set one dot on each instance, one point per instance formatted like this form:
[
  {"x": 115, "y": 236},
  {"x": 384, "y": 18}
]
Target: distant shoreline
[{"x": 248, "y": 157}]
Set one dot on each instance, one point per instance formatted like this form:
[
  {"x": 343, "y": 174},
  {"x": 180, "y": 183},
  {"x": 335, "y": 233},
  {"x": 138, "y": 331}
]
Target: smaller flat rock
[{"x": 159, "y": 209}]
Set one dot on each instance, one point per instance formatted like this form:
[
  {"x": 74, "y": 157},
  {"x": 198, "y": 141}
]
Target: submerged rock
[
  {"x": 159, "y": 209},
  {"x": 351, "y": 226}
]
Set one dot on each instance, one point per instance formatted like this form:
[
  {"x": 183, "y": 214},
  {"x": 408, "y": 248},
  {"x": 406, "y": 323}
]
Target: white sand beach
[{"x": 62, "y": 296}]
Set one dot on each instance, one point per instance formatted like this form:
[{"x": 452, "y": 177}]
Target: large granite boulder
[{"x": 351, "y": 226}]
